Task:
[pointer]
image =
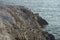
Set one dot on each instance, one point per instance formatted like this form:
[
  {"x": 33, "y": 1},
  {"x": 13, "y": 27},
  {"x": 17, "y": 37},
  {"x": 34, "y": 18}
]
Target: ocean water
[{"x": 48, "y": 9}]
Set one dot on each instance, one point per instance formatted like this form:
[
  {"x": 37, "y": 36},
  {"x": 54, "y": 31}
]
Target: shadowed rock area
[
  {"x": 40, "y": 20},
  {"x": 20, "y": 23}
]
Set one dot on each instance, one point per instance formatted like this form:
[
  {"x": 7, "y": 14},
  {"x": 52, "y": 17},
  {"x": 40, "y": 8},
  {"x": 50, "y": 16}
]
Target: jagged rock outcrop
[
  {"x": 40, "y": 20},
  {"x": 18, "y": 23}
]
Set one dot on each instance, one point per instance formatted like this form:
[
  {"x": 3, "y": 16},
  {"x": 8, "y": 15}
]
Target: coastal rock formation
[
  {"x": 19, "y": 23},
  {"x": 40, "y": 20}
]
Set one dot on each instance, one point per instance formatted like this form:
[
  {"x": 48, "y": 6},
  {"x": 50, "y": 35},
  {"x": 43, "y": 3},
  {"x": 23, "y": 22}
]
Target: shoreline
[{"x": 20, "y": 23}]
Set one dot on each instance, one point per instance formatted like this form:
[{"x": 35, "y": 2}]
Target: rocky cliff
[{"x": 20, "y": 23}]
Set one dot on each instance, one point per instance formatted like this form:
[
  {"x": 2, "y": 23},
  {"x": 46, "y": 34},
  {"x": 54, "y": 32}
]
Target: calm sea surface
[{"x": 48, "y": 9}]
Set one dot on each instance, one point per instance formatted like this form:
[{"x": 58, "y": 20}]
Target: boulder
[{"x": 18, "y": 24}]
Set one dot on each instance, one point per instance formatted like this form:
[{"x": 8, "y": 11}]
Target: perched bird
[{"x": 40, "y": 20}]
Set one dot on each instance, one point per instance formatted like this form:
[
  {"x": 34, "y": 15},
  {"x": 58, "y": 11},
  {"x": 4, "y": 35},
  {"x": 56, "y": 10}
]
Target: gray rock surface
[{"x": 19, "y": 23}]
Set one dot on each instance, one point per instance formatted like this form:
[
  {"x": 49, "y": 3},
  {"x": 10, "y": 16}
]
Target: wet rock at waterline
[{"x": 18, "y": 24}]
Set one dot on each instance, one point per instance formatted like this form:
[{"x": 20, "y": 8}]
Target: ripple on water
[{"x": 48, "y": 9}]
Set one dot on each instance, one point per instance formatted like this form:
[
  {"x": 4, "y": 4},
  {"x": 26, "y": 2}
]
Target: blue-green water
[{"x": 48, "y": 9}]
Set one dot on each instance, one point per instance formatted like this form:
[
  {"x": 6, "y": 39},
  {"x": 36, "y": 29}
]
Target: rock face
[
  {"x": 40, "y": 20},
  {"x": 19, "y": 23}
]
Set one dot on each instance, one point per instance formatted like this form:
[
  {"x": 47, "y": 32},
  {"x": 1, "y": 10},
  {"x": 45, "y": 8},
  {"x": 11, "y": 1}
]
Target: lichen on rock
[{"x": 18, "y": 23}]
